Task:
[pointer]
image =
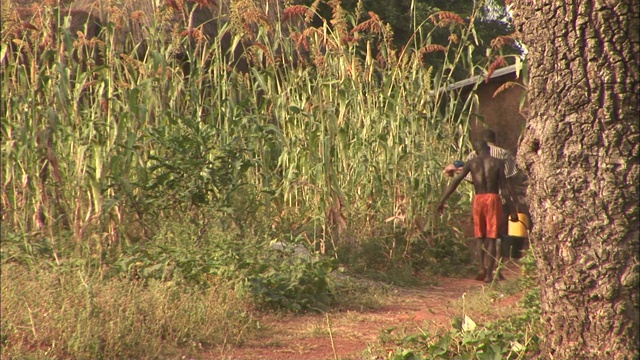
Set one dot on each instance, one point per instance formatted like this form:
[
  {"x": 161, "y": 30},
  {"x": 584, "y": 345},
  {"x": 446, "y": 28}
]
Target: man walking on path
[
  {"x": 510, "y": 168},
  {"x": 488, "y": 176},
  {"x": 516, "y": 178}
]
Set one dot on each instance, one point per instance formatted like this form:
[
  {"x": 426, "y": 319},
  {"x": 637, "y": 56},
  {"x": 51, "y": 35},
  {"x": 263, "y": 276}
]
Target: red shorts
[{"x": 487, "y": 215}]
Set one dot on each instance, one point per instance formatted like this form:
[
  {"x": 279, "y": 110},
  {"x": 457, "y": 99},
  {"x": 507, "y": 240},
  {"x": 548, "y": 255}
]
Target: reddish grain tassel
[
  {"x": 498, "y": 63},
  {"x": 300, "y": 40},
  {"x": 446, "y": 18},
  {"x": 196, "y": 34},
  {"x": 501, "y": 41},
  {"x": 433, "y": 48},
  {"x": 253, "y": 16},
  {"x": 429, "y": 49},
  {"x": 296, "y": 10},
  {"x": 504, "y": 87},
  {"x": 173, "y": 4},
  {"x": 447, "y": 15},
  {"x": 370, "y": 26},
  {"x": 350, "y": 40},
  {"x": 137, "y": 15}
]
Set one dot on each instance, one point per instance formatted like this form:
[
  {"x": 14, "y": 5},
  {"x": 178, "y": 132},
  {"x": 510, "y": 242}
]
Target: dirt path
[{"x": 309, "y": 336}]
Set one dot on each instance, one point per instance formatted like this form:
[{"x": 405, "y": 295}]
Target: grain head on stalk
[{"x": 239, "y": 28}]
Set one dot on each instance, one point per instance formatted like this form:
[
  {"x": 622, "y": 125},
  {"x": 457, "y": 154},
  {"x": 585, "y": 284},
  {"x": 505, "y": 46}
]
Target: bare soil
[{"x": 345, "y": 335}]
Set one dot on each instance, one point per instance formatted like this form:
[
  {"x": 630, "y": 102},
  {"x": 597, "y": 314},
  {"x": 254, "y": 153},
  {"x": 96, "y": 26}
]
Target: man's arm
[
  {"x": 453, "y": 186},
  {"x": 469, "y": 157}
]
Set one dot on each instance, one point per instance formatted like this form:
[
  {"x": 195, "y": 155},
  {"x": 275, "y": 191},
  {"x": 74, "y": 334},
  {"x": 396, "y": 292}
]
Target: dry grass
[{"x": 75, "y": 314}]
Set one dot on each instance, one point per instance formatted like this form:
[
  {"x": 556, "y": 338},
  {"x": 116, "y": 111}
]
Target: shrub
[{"x": 269, "y": 278}]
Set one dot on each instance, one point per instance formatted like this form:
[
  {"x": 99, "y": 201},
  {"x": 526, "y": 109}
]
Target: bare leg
[
  {"x": 504, "y": 226},
  {"x": 498, "y": 245},
  {"x": 480, "y": 256},
  {"x": 490, "y": 244}
]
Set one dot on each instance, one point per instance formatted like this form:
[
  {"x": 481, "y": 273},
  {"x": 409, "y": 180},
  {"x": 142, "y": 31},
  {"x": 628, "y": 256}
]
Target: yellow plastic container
[{"x": 519, "y": 228}]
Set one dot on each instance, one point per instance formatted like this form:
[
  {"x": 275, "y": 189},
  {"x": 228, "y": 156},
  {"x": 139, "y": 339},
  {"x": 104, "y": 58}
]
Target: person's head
[
  {"x": 481, "y": 147},
  {"x": 489, "y": 136}
]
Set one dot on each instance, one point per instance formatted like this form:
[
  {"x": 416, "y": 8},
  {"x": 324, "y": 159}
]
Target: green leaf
[
  {"x": 468, "y": 324},
  {"x": 517, "y": 347},
  {"x": 294, "y": 109}
]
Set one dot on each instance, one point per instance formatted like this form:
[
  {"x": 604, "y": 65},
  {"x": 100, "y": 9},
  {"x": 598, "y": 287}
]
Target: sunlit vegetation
[{"x": 143, "y": 192}]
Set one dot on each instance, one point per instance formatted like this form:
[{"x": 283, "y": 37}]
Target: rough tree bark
[{"x": 580, "y": 150}]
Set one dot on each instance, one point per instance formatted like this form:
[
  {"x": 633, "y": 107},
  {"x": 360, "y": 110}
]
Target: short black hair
[
  {"x": 489, "y": 136},
  {"x": 480, "y": 146}
]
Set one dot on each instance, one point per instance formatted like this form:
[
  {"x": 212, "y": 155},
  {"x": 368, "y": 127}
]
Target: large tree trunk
[{"x": 580, "y": 150}]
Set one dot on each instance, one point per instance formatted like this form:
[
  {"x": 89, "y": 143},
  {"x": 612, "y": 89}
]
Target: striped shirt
[{"x": 510, "y": 168}]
